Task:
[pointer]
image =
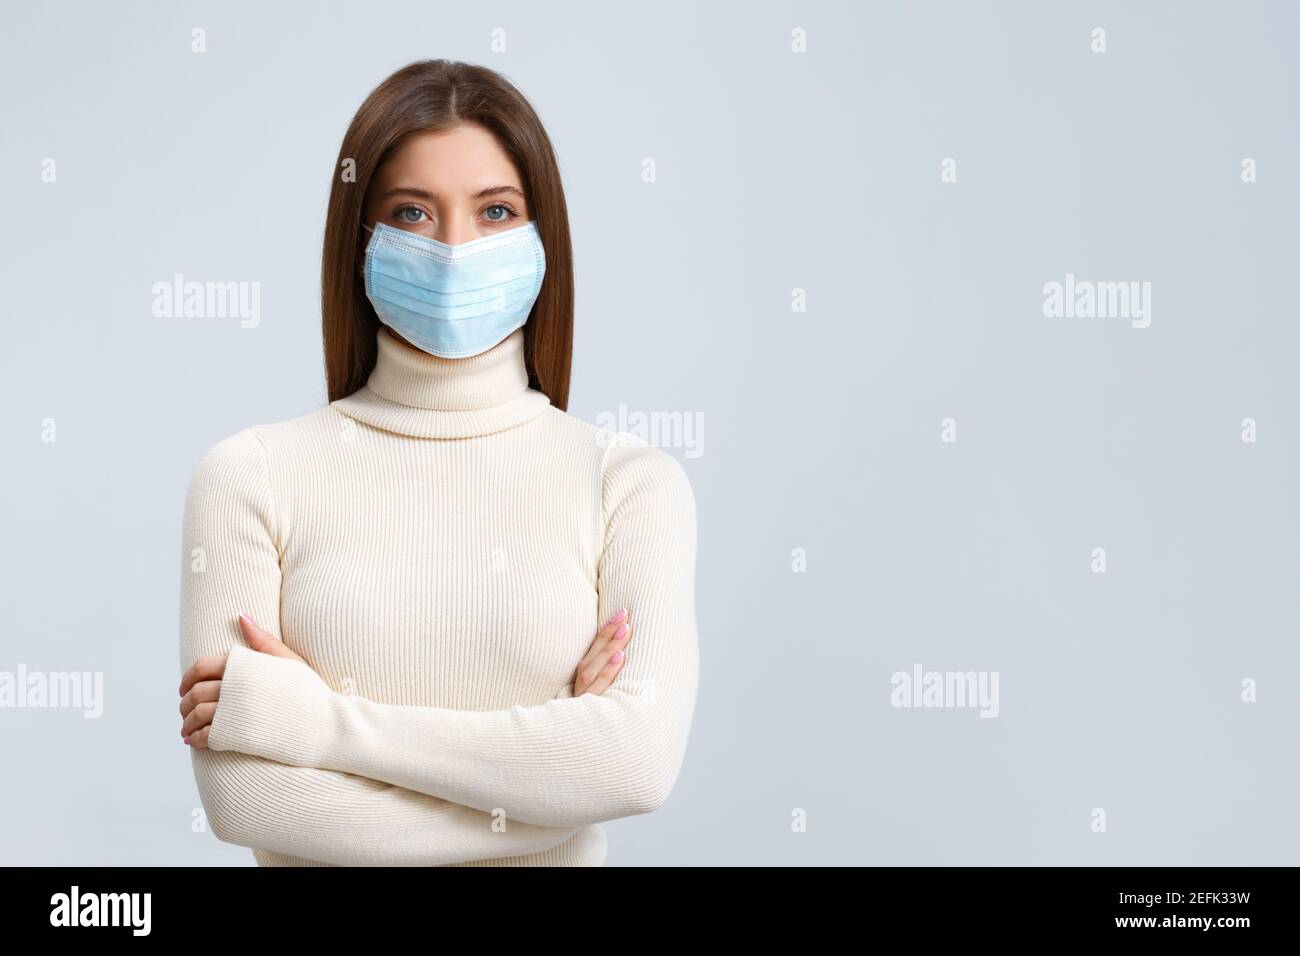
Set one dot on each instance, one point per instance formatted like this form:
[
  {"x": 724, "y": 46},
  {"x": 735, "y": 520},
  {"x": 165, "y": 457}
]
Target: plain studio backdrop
[{"x": 821, "y": 233}]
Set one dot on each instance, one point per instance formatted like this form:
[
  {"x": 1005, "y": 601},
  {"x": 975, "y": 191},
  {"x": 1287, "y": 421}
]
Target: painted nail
[
  {"x": 243, "y": 616},
  {"x": 618, "y": 656},
  {"x": 622, "y": 629},
  {"x": 187, "y": 740},
  {"x": 619, "y": 616}
]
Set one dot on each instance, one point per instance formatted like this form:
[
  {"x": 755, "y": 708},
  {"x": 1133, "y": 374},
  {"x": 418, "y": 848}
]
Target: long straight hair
[{"x": 436, "y": 95}]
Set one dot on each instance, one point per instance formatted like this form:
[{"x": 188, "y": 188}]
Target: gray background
[{"x": 776, "y": 171}]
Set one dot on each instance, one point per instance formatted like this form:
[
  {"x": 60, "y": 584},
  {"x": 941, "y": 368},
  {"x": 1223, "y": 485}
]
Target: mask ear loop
[{"x": 361, "y": 266}]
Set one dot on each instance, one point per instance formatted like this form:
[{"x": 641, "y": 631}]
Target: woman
[{"x": 424, "y": 560}]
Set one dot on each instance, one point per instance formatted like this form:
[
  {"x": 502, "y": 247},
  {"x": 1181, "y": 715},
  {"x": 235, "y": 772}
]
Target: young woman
[{"x": 421, "y": 563}]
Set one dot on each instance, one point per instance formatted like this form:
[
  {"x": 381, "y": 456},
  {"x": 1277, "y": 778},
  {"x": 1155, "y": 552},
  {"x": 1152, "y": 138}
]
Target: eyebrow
[{"x": 425, "y": 194}]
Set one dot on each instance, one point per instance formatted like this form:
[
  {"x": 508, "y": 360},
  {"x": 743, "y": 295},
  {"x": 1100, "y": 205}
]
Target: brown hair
[{"x": 438, "y": 95}]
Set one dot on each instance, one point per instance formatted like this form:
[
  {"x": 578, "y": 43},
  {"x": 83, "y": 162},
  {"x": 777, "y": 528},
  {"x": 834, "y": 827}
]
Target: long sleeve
[
  {"x": 231, "y": 562},
  {"x": 567, "y": 762}
]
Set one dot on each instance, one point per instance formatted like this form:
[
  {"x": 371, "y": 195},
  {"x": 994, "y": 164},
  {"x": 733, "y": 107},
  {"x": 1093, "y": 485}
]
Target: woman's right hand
[{"x": 604, "y": 659}]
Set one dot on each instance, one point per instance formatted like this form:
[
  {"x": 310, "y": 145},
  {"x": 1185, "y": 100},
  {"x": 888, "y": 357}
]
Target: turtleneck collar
[{"x": 414, "y": 393}]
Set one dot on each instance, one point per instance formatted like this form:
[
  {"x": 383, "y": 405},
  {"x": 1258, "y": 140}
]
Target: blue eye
[
  {"x": 401, "y": 213},
  {"x": 505, "y": 208}
]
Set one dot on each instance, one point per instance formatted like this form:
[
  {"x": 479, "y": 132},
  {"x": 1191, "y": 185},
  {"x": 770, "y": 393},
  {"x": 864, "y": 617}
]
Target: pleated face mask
[{"x": 454, "y": 301}]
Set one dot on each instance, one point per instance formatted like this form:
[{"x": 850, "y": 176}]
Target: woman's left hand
[{"x": 201, "y": 684}]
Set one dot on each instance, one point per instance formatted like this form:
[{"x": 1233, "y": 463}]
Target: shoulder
[
  {"x": 647, "y": 504},
  {"x": 234, "y": 455},
  {"x": 627, "y": 456},
  {"x": 255, "y": 445},
  {"x": 235, "y": 485},
  {"x": 571, "y": 428},
  {"x": 639, "y": 478},
  {"x": 624, "y": 462},
  {"x": 244, "y": 460},
  {"x": 230, "y": 479}
]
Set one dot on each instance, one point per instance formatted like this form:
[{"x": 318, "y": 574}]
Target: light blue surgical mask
[{"x": 454, "y": 301}]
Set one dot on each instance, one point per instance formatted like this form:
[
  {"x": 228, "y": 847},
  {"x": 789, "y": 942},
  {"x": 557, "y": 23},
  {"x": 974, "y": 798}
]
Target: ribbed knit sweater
[{"x": 441, "y": 546}]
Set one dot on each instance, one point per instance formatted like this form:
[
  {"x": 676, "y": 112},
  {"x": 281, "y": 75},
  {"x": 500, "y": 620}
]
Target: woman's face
[{"x": 453, "y": 186}]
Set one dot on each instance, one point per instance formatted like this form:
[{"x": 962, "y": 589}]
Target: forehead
[{"x": 461, "y": 160}]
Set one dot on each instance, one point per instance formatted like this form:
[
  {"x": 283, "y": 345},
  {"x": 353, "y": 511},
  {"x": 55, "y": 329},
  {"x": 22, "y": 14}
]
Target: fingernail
[
  {"x": 243, "y": 616},
  {"x": 619, "y": 616},
  {"x": 187, "y": 740},
  {"x": 622, "y": 629},
  {"x": 618, "y": 656}
]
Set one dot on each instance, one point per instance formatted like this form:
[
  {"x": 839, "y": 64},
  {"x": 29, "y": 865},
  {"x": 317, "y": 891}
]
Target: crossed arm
[{"x": 295, "y": 767}]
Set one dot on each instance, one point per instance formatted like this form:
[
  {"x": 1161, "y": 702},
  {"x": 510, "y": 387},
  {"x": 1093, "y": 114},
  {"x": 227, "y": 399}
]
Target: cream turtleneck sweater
[{"x": 442, "y": 547}]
